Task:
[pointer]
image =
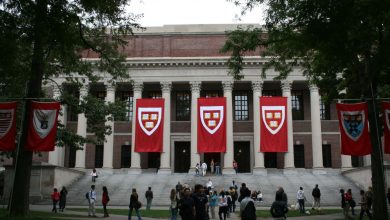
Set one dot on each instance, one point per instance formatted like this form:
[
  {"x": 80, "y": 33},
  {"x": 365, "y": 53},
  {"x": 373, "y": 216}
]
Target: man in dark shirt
[
  {"x": 242, "y": 192},
  {"x": 186, "y": 206},
  {"x": 179, "y": 188},
  {"x": 149, "y": 198},
  {"x": 200, "y": 201},
  {"x": 316, "y": 193}
]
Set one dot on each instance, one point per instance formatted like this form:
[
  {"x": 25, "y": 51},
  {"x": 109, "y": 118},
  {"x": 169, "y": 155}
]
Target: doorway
[
  {"x": 299, "y": 156},
  {"x": 242, "y": 156},
  {"x": 99, "y": 151},
  {"x": 154, "y": 160},
  {"x": 126, "y": 156},
  {"x": 270, "y": 160},
  {"x": 207, "y": 157},
  {"x": 182, "y": 156}
]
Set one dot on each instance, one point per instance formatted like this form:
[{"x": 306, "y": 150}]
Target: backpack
[
  {"x": 249, "y": 211},
  {"x": 87, "y": 195},
  {"x": 229, "y": 200}
]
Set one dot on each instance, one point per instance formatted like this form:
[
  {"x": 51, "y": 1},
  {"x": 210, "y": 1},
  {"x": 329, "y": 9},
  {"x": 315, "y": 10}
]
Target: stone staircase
[{"x": 120, "y": 184}]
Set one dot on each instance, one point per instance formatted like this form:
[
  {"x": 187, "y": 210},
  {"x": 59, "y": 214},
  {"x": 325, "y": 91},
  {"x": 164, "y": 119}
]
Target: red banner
[
  {"x": 386, "y": 126},
  {"x": 42, "y": 130},
  {"x": 149, "y": 125},
  {"x": 211, "y": 125},
  {"x": 273, "y": 124},
  {"x": 7, "y": 126},
  {"x": 353, "y": 123}
]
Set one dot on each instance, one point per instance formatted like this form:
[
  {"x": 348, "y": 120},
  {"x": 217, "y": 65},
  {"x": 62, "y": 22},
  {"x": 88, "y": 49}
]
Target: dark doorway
[
  {"x": 207, "y": 157},
  {"x": 154, "y": 160},
  {"x": 270, "y": 160},
  {"x": 299, "y": 156},
  {"x": 71, "y": 157},
  {"x": 182, "y": 157},
  {"x": 99, "y": 150},
  {"x": 357, "y": 161},
  {"x": 327, "y": 155},
  {"x": 242, "y": 156},
  {"x": 126, "y": 156}
]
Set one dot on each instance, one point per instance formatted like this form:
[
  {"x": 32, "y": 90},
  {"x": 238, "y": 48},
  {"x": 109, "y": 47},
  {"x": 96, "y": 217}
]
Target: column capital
[
  {"x": 110, "y": 87},
  {"x": 286, "y": 85},
  {"x": 166, "y": 86},
  {"x": 313, "y": 87},
  {"x": 227, "y": 85},
  {"x": 137, "y": 86},
  {"x": 257, "y": 85},
  {"x": 195, "y": 86},
  {"x": 84, "y": 89}
]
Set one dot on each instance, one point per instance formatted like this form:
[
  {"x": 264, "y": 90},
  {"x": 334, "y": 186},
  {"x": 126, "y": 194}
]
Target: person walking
[
  {"x": 63, "y": 195},
  {"x": 149, "y": 198},
  {"x": 223, "y": 206},
  {"x": 234, "y": 195},
  {"x": 92, "y": 201},
  {"x": 350, "y": 201},
  {"x": 369, "y": 197},
  {"x": 94, "y": 175},
  {"x": 364, "y": 206},
  {"x": 134, "y": 204},
  {"x": 301, "y": 200},
  {"x": 344, "y": 205},
  {"x": 204, "y": 168},
  {"x": 316, "y": 193},
  {"x": 212, "y": 166},
  {"x": 55, "y": 197},
  {"x": 200, "y": 202},
  {"x": 186, "y": 206},
  {"x": 174, "y": 201},
  {"x": 247, "y": 207},
  {"x": 213, "y": 203},
  {"x": 105, "y": 200},
  {"x": 235, "y": 166},
  {"x": 279, "y": 206},
  {"x": 197, "y": 167}
]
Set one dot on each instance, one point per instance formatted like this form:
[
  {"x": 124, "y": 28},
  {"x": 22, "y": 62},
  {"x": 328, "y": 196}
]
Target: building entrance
[
  {"x": 207, "y": 157},
  {"x": 154, "y": 160},
  {"x": 242, "y": 156},
  {"x": 270, "y": 160},
  {"x": 182, "y": 156}
]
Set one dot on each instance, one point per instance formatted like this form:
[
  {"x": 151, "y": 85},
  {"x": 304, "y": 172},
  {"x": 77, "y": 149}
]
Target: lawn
[{"x": 38, "y": 215}]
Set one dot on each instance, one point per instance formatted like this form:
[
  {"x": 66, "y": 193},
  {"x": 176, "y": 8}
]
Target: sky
[{"x": 168, "y": 12}]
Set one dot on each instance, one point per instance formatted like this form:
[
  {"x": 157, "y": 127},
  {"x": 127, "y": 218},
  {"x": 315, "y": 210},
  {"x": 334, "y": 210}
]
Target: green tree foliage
[{"x": 46, "y": 38}]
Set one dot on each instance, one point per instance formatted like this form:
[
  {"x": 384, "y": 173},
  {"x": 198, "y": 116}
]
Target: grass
[
  {"x": 296, "y": 213},
  {"x": 154, "y": 213},
  {"x": 39, "y": 215}
]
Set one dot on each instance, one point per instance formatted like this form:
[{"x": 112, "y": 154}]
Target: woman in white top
[{"x": 94, "y": 175}]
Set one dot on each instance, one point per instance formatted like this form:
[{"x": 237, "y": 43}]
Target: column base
[
  {"x": 228, "y": 171},
  {"x": 135, "y": 170},
  {"x": 319, "y": 171},
  {"x": 259, "y": 171},
  {"x": 164, "y": 171},
  {"x": 290, "y": 171}
]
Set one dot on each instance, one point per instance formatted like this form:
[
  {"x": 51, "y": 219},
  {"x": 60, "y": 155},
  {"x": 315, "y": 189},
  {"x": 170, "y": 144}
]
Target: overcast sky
[{"x": 163, "y": 12}]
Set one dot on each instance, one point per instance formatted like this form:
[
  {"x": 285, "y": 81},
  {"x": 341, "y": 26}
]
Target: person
[
  {"x": 63, "y": 195},
  {"x": 223, "y": 206},
  {"x": 204, "y": 168},
  {"x": 94, "y": 175},
  {"x": 259, "y": 196},
  {"x": 149, "y": 198},
  {"x": 55, "y": 197},
  {"x": 173, "y": 207},
  {"x": 179, "y": 188},
  {"x": 213, "y": 203},
  {"x": 197, "y": 169},
  {"x": 229, "y": 202},
  {"x": 235, "y": 166},
  {"x": 134, "y": 204},
  {"x": 351, "y": 202},
  {"x": 279, "y": 206},
  {"x": 186, "y": 206},
  {"x": 344, "y": 205},
  {"x": 301, "y": 200},
  {"x": 284, "y": 195},
  {"x": 364, "y": 206},
  {"x": 369, "y": 197},
  {"x": 105, "y": 200},
  {"x": 92, "y": 201},
  {"x": 247, "y": 207},
  {"x": 234, "y": 194},
  {"x": 200, "y": 202},
  {"x": 212, "y": 166},
  {"x": 242, "y": 191},
  {"x": 217, "y": 168},
  {"x": 209, "y": 185},
  {"x": 316, "y": 193},
  {"x": 234, "y": 185}
]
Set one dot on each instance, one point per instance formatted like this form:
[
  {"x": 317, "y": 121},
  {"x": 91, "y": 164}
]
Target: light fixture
[{"x": 184, "y": 150}]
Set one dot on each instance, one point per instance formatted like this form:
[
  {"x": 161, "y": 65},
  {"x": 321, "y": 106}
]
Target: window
[
  {"x": 183, "y": 106},
  {"x": 127, "y": 97},
  {"x": 70, "y": 110},
  {"x": 299, "y": 156},
  {"x": 327, "y": 155},
  {"x": 357, "y": 161},
  {"x": 324, "y": 111},
  {"x": 241, "y": 106},
  {"x": 155, "y": 95},
  {"x": 210, "y": 94},
  {"x": 99, "y": 149},
  {"x": 126, "y": 156},
  {"x": 297, "y": 105}
]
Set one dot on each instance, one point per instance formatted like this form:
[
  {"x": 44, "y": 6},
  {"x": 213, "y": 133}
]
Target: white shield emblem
[
  {"x": 387, "y": 115},
  {"x": 353, "y": 123},
  {"x": 149, "y": 119},
  {"x": 43, "y": 121},
  {"x": 273, "y": 117},
  {"x": 6, "y": 117},
  {"x": 211, "y": 117}
]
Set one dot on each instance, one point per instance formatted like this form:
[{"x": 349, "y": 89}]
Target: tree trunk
[{"x": 19, "y": 203}]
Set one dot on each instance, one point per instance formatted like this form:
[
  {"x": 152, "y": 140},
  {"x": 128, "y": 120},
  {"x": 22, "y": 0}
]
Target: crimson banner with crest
[
  {"x": 211, "y": 125},
  {"x": 353, "y": 123},
  {"x": 7, "y": 126},
  {"x": 386, "y": 126},
  {"x": 273, "y": 124},
  {"x": 42, "y": 129},
  {"x": 149, "y": 125}
]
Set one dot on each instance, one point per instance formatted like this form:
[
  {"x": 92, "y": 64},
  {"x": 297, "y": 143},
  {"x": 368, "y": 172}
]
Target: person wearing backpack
[
  {"x": 91, "y": 196},
  {"x": 316, "y": 193},
  {"x": 134, "y": 204},
  {"x": 200, "y": 202},
  {"x": 279, "y": 206},
  {"x": 247, "y": 207},
  {"x": 223, "y": 206},
  {"x": 186, "y": 206}
]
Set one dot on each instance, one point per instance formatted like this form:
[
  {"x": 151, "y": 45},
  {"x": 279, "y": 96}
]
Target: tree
[
  {"x": 342, "y": 46},
  {"x": 44, "y": 38}
]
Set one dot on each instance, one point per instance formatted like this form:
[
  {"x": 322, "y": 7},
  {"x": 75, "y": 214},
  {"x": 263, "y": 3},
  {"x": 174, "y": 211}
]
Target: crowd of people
[{"x": 215, "y": 168}]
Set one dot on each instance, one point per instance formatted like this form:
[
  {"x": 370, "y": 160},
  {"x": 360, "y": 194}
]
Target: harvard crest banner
[
  {"x": 42, "y": 129},
  {"x": 7, "y": 126},
  {"x": 386, "y": 126},
  {"x": 273, "y": 124},
  {"x": 353, "y": 123},
  {"x": 149, "y": 125},
  {"x": 211, "y": 125}
]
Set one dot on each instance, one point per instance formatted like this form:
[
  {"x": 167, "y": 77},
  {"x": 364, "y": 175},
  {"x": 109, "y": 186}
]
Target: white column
[
  {"x": 165, "y": 165},
  {"x": 346, "y": 162},
  {"x": 108, "y": 155},
  {"x": 195, "y": 94},
  {"x": 257, "y": 87},
  {"x": 56, "y": 157},
  {"x": 316, "y": 135},
  {"x": 228, "y": 157},
  {"x": 81, "y": 130},
  {"x": 289, "y": 155},
  {"x": 135, "y": 156}
]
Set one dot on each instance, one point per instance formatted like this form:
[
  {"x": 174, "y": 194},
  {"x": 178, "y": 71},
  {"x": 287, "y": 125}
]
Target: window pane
[
  {"x": 183, "y": 106},
  {"x": 241, "y": 106},
  {"x": 297, "y": 105}
]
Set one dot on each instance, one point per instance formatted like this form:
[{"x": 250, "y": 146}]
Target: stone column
[
  {"x": 228, "y": 157},
  {"x": 135, "y": 156},
  {"x": 195, "y": 94},
  {"x": 346, "y": 162},
  {"x": 165, "y": 165},
  {"x": 289, "y": 155},
  {"x": 257, "y": 87},
  {"x": 316, "y": 135},
  {"x": 57, "y": 157},
  {"x": 108, "y": 155},
  {"x": 81, "y": 130}
]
